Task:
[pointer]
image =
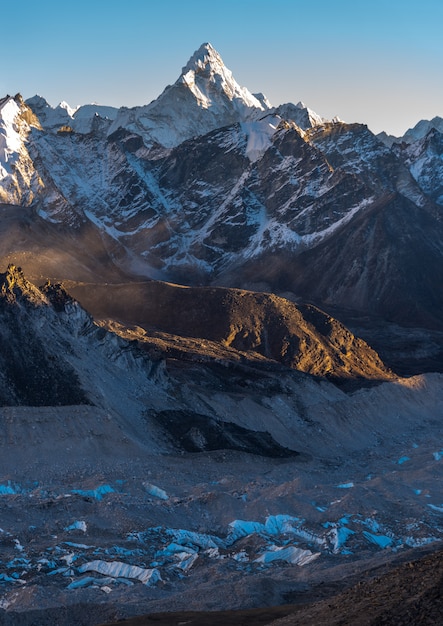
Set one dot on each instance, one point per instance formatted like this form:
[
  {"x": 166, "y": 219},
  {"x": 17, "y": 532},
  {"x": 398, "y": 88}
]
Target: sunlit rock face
[{"x": 232, "y": 324}]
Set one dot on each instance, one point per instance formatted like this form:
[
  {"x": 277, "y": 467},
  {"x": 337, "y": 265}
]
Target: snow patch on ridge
[
  {"x": 274, "y": 234},
  {"x": 19, "y": 183},
  {"x": 259, "y": 134},
  {"x": 10, "y": 139},
  {"x": 69, "y": 110}
]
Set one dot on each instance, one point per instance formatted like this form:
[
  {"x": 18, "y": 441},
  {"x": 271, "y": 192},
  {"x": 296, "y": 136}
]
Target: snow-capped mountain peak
[
  {"x": 49, "y": 117},
  {"x": 10, "y": 140},
  {"x": 206, "y": 58},
  {"x": 263, "y": 100},
  {"x": 81, "y": 119},
  {"x": 206, "y": 75},
  {"x": 422, "y": 128},
  {"x": 69, "y": 110},
  {"x": 300, "y": 114},
  {"x": 204, "y": 97}
]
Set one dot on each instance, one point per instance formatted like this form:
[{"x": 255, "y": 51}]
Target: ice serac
[{"x": 205, "y": 97}]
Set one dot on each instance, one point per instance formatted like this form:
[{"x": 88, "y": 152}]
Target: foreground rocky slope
[
  {"x": 105, "y": 530},
  {"x": 54, "y": 354},
  {"x": 45, "y": 338},
  {"x": 182, "y": 481}
]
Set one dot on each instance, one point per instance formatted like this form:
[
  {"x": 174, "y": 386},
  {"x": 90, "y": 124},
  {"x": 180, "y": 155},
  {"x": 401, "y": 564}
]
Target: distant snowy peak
[
  {"x": 424, "y": 157},
  {"x": 10, "y": 139},
  {"x": 263, "y": 100},
  {"x": 90, "y": 117},
  {"x": 82, "y": 119},
  {"x": 13, "y": 129},
  {"x": 415, "y": 134},
  {"x": 388, "y": 140},
  {"x": 16, "y": 116},
  {"x": 69, "y": 110},
  {"x": 50, "y": 118},
  {"x": 299, "y": 113},
  {"x": 422, "y": 128}
]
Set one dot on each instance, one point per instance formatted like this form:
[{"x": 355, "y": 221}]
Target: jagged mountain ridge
[
  {"x": 32, "y": 372},
  {"x": 45, "y": 339},
  {"x": 251, "y": 187}
]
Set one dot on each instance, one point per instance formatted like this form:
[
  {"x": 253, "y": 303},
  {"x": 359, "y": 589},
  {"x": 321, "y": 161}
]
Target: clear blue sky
[{"x": 375, "y": 61}]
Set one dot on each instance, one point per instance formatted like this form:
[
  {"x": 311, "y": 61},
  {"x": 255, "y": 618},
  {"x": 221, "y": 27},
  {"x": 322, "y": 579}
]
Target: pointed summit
[
  {"x": 205, "y": 97},
  {"x": 206, "y": 58},
  {"x": 208, "y": 78}
]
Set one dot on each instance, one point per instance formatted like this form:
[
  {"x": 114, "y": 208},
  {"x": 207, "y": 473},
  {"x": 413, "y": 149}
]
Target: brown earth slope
[{"x": 259, "y": 325}]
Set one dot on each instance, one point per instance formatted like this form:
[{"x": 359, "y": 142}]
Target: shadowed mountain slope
[
  {"x": 393, "y": 259},
  {"x": 52, "y": 353},
  {"x": 33, "y": 371},
  {"x": 387, "y": 261}
]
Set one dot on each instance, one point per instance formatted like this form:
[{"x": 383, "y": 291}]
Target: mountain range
[
  {"x": 213, "y": 311},
  {"x": 209, "y": 184}
]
